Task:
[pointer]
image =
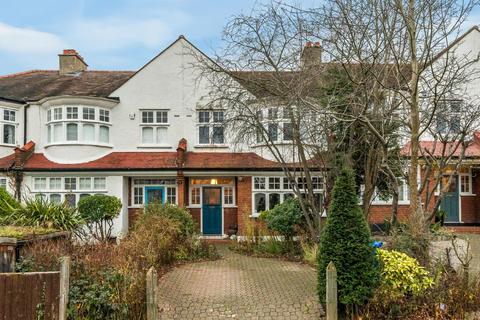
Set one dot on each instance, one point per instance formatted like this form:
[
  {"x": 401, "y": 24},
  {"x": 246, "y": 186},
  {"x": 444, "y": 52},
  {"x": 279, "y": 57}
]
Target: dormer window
[
  {"x": 78, "y": 124},
  {"x": 154, "y": 125}
]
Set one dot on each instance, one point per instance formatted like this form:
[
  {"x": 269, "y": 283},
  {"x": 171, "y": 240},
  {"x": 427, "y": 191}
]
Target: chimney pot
[
  {"x": 71, "y": 62},
  {"x": 311, "y": 55}
]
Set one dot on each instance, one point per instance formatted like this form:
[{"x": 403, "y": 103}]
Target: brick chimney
[
  {"x": 22, "y": 154},
  {"x": 71, "y": 62},
  {"x": 311, "y": 55},
  {"x": 182, "y": 148}
]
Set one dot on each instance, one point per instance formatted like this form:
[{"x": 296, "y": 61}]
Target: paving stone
[{"x": 239, "y": 287}]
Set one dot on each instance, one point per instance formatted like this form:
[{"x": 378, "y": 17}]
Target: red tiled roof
[
  {"x": 151, "y": 161},
  {"x": 438, "y": 149},
  {"x": 7, "y": 162}
]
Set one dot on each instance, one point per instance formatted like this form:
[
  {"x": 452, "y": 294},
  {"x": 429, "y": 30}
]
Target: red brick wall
[
  {"x": 133, "y": 214},
  {"x": 229, "y": 218},
  {"x": 244, "y": 202},
  {"x": 195, "y": 212},
  {"x": 378, "y": 214}
]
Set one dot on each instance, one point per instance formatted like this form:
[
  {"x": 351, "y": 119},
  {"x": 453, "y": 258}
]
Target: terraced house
[
  {"x": 148, "y": 136},
  {"x": 141, "y": 136}
]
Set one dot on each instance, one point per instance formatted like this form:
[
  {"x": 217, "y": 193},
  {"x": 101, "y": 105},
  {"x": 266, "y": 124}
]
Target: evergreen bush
[
  {"x": 285, "y": 218},
  {"x": 346, "y": 241}
]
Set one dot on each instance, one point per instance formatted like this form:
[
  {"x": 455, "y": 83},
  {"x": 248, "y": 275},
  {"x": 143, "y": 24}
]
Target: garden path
[{"x": 240, "y": 287}]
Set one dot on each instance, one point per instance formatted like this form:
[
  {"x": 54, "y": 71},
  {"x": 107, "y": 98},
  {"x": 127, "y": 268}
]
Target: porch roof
[{"x": 125, "y": 161}]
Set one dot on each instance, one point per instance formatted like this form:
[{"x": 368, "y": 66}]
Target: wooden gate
[
  {"x": 29, "y": 296},
  {"x": 35, "y": 295}
]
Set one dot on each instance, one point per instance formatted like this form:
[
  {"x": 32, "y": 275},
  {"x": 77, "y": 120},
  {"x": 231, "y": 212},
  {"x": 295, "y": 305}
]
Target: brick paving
[{"x": 239, "y": 287}]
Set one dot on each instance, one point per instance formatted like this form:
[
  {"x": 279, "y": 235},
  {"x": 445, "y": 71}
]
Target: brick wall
[
  {"x": 378, "y": 214},
  {"x": 229, "y": 218},
  {"x": 244, "y": 202},
  {"x": 195, "y": 212}
]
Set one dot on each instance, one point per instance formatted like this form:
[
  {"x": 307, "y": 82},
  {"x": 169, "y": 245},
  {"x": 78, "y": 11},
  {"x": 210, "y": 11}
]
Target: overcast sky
[{"x": 111, "y": 34}]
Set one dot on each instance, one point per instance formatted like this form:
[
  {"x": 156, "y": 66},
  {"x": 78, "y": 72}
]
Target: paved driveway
[{"x": 239, "y": 287}]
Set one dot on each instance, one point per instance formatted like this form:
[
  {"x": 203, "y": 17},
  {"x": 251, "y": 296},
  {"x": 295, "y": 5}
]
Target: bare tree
[{"x": 401, "y": 52}]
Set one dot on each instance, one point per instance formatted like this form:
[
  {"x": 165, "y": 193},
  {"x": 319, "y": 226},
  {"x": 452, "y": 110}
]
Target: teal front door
[
  {"x": 450, "y": 201},
  {"x": 154, "y": 195},
  {"x": 212, "y": 211}
]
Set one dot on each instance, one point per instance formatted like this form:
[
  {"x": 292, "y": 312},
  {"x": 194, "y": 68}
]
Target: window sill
[
  {"x": 194, "y": 206},
  {"x": 79, "y": 143},
  {"x": 154, "y": 146},
  {"x": 276, "y": 143},
  {"x": 218, "y": 146},
  {"x": 8, "y": 145},
  {"x": 468, "y": 194},
  {"x": 154, "y": 124},
  {"x": 400, "y": 203}
]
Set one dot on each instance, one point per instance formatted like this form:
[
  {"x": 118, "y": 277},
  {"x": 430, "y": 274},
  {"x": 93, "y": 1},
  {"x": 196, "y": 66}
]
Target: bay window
[
  {"x": 78, "y": 124},
  {"x": 72, "y": 132}
]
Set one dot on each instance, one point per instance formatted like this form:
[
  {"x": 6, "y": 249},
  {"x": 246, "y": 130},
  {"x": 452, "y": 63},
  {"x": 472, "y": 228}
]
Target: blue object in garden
[{"x": 377, "y": 244}]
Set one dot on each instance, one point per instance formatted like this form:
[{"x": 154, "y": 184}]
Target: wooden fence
[{"x": 34, "y": 295}]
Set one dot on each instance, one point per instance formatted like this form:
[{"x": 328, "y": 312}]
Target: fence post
[
  {"x": 64, "y": 287},
  {"x": 331, "y": 299},
  {"x": 8, "y": 247},
  {"x": 152, "y": 308}
]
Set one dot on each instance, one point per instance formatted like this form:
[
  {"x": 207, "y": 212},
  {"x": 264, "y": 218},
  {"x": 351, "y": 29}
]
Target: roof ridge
[{"x": 11, "y": 75}]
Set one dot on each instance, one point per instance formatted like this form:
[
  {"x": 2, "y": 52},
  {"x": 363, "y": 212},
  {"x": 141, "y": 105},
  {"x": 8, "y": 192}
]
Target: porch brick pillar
[
  {"x": 244, "y": 202},
  {"x": 181, "y": 189}
]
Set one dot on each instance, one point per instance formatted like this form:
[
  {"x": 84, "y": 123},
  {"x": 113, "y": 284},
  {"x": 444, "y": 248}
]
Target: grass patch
[{"x": 23, "y": 232}]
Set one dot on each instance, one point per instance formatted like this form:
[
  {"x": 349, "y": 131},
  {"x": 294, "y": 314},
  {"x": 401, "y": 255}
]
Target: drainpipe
[{"x": 25, "y": 123}]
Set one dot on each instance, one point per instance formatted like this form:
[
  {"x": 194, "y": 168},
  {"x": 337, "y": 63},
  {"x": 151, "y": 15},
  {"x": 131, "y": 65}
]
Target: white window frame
[
  {"x": 211, "y": 124},
  {"x": 74, "y": 114},
  {"x": 142, "y": 182},
  {"x": 273, "y": 116},
  {"x": 155, "y": 125},
  {"x": 223, "y": 186},
  {"x": 376, "y": 201},
  {"x": 48, "y": 191},
  {"x": 282, "y": 191},
  {"x": 470, "y": 184},
  {"x": 9, "y": 122}
]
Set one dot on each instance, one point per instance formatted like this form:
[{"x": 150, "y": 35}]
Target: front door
[
  {"x": 450, "y": 200},
  {"x": 212, "y": 211},
  {"x": 154, "y": 195}
]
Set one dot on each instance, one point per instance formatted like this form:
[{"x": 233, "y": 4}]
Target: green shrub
[
  {"x": 182, "y": 216},
  {"x": 285, "y": 218},
  {"x": 401, "y": 275},
  {"x": 41, "y": 213},
  {"x": 98, "y": 212},
  {"x": 346, "y": 241},
  {"x": 7, "y": 202}
]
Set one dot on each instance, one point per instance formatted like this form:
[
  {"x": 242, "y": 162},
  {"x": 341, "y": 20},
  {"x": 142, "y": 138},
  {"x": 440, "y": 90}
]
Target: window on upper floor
[
  {"x": 211, "y": 127},
  {"x": 276, "y": 126},
  {"x": 78, "y": 124},
  {"x": 154, "y": 126},
  {"x": 448, "y": 116},
  {"x": 9, "y": 123}
]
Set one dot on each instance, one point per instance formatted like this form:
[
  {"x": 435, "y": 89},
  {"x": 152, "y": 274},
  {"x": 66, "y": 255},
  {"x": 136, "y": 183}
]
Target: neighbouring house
[{"x": 147, "y": 136}]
